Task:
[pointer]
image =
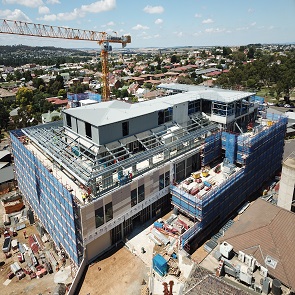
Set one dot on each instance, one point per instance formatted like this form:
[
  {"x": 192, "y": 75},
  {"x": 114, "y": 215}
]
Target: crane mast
[{"x": 47, "y": 31}]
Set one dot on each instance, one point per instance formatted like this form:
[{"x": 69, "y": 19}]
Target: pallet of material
[{"x": 11, "y": 207}]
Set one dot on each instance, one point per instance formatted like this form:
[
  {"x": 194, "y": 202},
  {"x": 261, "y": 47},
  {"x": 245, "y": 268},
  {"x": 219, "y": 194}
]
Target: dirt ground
[
  {"x": 44, "y": 285},
  {"x": 119, "y": 273}
]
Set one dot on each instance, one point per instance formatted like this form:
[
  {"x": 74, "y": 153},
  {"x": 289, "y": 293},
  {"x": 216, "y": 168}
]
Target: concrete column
[
  {"x": 151, "y": 213},
  {"x": 122, "y": 230},
  {"x": 150, "y": 162},
  {"x": 134, "y": 169}
]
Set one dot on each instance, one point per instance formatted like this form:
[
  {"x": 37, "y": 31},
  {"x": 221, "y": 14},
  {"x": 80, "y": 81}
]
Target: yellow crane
[{"x": 39, "y": 30}]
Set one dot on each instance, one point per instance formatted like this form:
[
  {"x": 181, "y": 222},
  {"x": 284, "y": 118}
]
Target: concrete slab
[
  {"x": 62, "y": 275},
  {"x": 136, "y": 242},
  {"x": 7, "y": 282}
]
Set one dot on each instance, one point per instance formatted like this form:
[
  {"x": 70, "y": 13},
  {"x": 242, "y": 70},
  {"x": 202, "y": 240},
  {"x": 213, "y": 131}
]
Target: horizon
[{"x": 196, "y": 23}]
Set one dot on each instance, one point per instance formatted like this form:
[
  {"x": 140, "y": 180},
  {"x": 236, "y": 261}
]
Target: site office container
[{"x": 6, "y": 245}]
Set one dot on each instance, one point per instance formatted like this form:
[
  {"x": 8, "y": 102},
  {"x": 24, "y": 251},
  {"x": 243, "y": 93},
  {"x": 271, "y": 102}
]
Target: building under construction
[{"x": 107, "y": 167}]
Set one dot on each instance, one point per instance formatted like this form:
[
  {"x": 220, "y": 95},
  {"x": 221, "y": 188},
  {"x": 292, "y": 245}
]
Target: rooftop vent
[{"x": 271, "y": 262}]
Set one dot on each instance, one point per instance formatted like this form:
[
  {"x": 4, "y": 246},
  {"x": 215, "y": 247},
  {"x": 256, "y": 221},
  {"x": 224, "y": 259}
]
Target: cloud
[
  {"x": 111, "y": 23},
  {"x": 48, "y": 17},
  {"x": 140, "y": 27},
  {"x": 53, "y": 2},
  {"x": 158, "y": 21},
  {"x": 153, "y": 9},
  {"x": 214, "y": 30},
  {"x": 250, "y": 10},
  {"x": 242, "y": 29},
  {"x": 43, "y": 10},
  {"x": 178, "y": 34},
  {"x": 197, "y": 15},
  {"x": 99, "y": 6},
  {"x": 95, "y": 7},
  {"x": 207, "y": 21},
  {"x": 253, "y": 24},
  {"x": 15, "y": 15},
  {"x": 28, "y": 3}
]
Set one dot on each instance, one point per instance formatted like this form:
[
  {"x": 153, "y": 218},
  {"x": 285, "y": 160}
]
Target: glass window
[
  {"x": 140, "y": 193},
  {"x": 125, "y": 128},
  {"x": 109, "y": 211},
  {"x": 161, "y": 181},
  {"x": 133, "y": 197},
  {"x": 88, "y": 130},
  {"x": 165, "y": 116},
  {"x": 69, "y": 121},
  {"x": 167, "y": 178},
  {"x": 99, "y": 217},
  {"x": 160, "y": 117}
]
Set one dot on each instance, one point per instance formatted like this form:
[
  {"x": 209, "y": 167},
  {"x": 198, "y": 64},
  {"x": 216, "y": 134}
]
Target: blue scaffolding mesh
[
  {"x": 261, "y": 155},
  {"x": 83, "y": 96},
  {"x": 50, "y": 200},
  {"x": 230, "y": 147},
  {"x": 212, "y": 148}
]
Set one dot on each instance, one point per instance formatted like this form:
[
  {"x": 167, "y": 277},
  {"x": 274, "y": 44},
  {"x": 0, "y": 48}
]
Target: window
[
  {"x": 160, "y": 117},
  {"x": 99, "y": 217},
  {"x": 69, "y": 121},
  {"x": 161, "y": 181},
  {"x": 108, "y": 211},
  {"x": 88, "y": 130},
  {"x": 125, "y": 128},
  {"x": 140, "y": 193},
  {"x": 165, "y": 116},
  {"x": 133, "y": 197},
  {"x": 167, "y": 178},
  {"x": 193, "y": 106}
]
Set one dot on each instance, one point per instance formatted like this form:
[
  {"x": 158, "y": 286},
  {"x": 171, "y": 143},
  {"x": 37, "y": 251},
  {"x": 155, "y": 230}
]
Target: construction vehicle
[{"x": 46, "y": 31}]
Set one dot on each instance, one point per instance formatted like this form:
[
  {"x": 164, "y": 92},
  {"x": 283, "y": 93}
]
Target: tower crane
[{"x": 39, "y": 30}]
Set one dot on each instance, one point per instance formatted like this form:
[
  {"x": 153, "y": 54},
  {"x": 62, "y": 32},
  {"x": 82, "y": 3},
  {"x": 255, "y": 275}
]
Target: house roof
[
  {"x": 266, "y": 231},
  {"x": 109, "y": 112},
  {"x": 4, "y": 153},
  {"x": 6, "y": 174}
]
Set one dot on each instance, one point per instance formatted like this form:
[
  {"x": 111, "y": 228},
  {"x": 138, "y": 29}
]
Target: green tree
[
  {"x": 24, "y": 96},
  {"x": 251, "y": 52},
  {"x": 62, "y": 92},
  {"x": 37, "y": 82},
  {"x": 27, "y": 75},
  {"x": 226, "y": 51},
  {"x": 4, "y": 117},
  {"x": 18, "y": 75}
]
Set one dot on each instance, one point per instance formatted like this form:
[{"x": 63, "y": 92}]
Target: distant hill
[{"x": 18, "y": 55}]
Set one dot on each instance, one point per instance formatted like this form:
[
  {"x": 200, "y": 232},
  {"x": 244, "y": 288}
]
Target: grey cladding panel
[
  {"x": 140, "y": 181},
  {"x": 98, "y": 204},
  {"x": 121, "y": 195},
  {"x": 155, "y": 176}
]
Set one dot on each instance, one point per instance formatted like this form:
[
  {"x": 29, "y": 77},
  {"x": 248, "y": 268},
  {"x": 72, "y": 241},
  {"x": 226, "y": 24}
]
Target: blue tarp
[
  {"x": 158, "y": 224},
  {"x": 160, "y": 264}
]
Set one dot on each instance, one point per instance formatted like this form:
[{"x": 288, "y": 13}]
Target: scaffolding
[
  {"x": 260, "y": 152},
  {"x": 57, "y": 214},
  {"x": 100, "y": 167}
]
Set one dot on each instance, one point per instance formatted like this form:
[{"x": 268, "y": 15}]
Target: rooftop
[
  {"x": 266, "y": 232},
  {"x": 115, "y": 111},
  {"x": 84, "y": 161}
]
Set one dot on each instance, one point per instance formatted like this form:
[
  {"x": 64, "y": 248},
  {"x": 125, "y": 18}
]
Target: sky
[{"x": 162, "y": 23}]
